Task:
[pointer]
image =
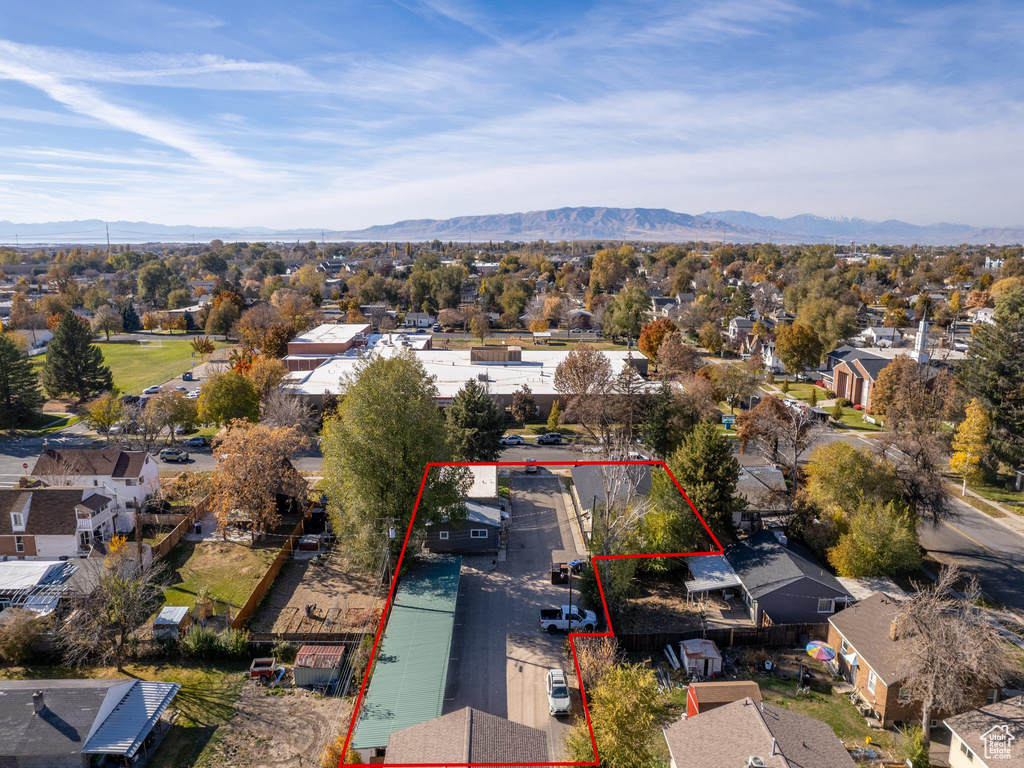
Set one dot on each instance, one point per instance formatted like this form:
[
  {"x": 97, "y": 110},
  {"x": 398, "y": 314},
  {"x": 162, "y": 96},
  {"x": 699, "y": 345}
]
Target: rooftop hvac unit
[{"x": 756, "y": 762}]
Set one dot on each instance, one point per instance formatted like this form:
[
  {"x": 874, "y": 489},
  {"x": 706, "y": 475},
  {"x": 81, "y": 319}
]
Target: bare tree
[
  {"x": 918, "y": 457},
  {"x": 282, "y": 409},
  {"x": 951, "y": 651},
  {"x": 782, "y": 433},
  {"x": 596, "y": 655},
  {"x": 584, "y": 379}
]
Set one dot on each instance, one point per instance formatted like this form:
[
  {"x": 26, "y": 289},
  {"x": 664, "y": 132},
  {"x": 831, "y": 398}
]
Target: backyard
[
  {"x": 228, "y": 569},
  {"x": 137, "y": 365}
]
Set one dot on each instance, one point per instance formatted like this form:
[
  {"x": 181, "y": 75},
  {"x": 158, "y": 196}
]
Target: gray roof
[
  {"x": 865, "y": 625},
  {"x": 764, "y": 565},
  {"x": 973, "y": 726},
  {"x": 590, "y": 483},
  {"x": 726, "y": 736},
  {"x": 95, "y": 716},
  {"x": 468, "y": 736},
  {"x": 483, "y": 514},
  {"x": 171, "y": 615}
]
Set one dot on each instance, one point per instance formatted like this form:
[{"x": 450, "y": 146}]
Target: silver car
[{"x": 559, "y": 702}]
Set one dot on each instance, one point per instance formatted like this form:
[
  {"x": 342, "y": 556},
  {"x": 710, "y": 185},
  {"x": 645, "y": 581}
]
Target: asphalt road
[{"x": 500, "y": 656}]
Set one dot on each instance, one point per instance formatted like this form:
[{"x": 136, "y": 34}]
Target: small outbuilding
[
  {"x": 318, "y": 666},
  {"x": 701, "y": 657},
  {"x": 172, "y": 622}
]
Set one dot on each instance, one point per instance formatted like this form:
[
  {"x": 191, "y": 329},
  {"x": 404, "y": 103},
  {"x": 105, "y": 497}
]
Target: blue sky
[{"x": 344, "y": 114}]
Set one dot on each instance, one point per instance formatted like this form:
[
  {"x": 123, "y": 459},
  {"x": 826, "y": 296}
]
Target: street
[{"x": 500, "y": 657}]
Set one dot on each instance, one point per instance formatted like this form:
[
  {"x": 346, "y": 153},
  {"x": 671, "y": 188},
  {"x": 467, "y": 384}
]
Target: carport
[{"x": 711, "y": 573}]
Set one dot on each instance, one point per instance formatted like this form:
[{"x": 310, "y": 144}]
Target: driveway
[{"x": 499, "y": 655}]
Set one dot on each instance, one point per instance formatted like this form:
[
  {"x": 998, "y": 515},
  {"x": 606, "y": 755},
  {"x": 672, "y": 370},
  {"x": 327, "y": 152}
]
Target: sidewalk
[{"x": 1013, "y": 520}]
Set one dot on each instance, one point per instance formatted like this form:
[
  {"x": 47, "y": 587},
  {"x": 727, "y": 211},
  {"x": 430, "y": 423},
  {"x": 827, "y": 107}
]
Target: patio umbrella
[{"x": 820, "y": 651}]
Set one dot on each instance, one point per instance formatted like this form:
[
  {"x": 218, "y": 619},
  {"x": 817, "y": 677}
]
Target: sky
[{"x": 343, "y": 114}]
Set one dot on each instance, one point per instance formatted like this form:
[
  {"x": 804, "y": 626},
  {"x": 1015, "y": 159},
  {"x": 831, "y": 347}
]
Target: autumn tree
[
  {"x": 554, "y": 417},
  {"x": 222, "y": 318},
  {"x": 676, "y": 358},
  {"x": 736, "y": 383},
  {"x": 474, "y": 424},
  {"x": 225, "y": 397},
  {"x": 970, "y": 445},
  {"x": 107, "y": 320},
  {"x": 253, "y": 467},
  {"x": 104, "y": 412},
  {"x": 19, "y": 386},
  {"x": 653, "y": 335},
  {"x": 170, "y": 409},
  {"x": 783, "y": 434},
  {"x": 625, "y": 315},
  {"x": 798, "y": 347},
  {"x": 74, "y": 365},
  {"x": 265, "y": 374},
  {"x": 386, "y": 431},
  {"x": 881, "y": 541},
  {"x": 203, "y": 346},
  {"x": 710, "y": 337},
  {"x": 624, "y": 707},
  {"x": 950, "y": 649},
  {"x": 480, "y": 326}
]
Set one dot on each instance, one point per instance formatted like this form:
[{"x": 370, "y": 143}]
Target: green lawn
[
  {"x": 136, "y": 365},
  {"x": 228, "y": 569},
  {"x": 802, "y": 391},
  {"x": 531, "y": 430},
  {"x": 205, "y": 702},
  {"x": 855, "y": 420},
  {"x": 999, "y": 490}
]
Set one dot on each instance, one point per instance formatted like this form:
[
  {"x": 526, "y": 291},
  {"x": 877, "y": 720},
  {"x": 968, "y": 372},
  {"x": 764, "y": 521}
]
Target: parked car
[
  {"x": 173, "y": 454},
  {"x": 565, "y": 619},
  {"x": 512, "y": 440},
  {"x": 436, "y": 328},
  {"x": 804, "y": 377},
  {"x": 194, "y": 442},
  {"x": 550, "y": 438},
  {"x": 151, "y": 390},
  {"x": 531, "y": 466},
  {"x": 193, "y": 395},
  {"x": 559, "y": 702},
  {"x": 129, "y": 399},
  {"x": 576, "y": 330},
  {"x": 181, "y": 389}
]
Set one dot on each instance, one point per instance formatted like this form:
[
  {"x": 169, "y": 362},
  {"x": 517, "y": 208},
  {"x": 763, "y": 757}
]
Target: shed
[
  {"x": 318, "y": 665},
  {"x": 172, "y": 622},
  {"x": 701, "y": 657},
  {"x": 703, "y": 697}
]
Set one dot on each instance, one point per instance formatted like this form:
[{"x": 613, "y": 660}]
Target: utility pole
[{"x": 107, "y": 228}]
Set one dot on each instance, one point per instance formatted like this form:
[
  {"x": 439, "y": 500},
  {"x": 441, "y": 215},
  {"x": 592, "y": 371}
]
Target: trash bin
[
  {"x": 199, "y": 528},
  {"x": 559, "y": 573}
]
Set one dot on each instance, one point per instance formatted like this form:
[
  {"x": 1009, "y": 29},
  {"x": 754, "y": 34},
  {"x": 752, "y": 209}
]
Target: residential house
[
  {"x": 594, "y": 486},
  {"x": 868, "y": 651},
  {"x": 663, "y": 306},
  {"x": 706, "y": 696},
  {"x": 739, "y": 329},
  {"x": 985, "y": 738},
  {"x": 764, "y": 489},
  {"x": 746, "y": 733},
  {"x": 982, "y": 315},
  {"x": 467, "y": 736},
  {"x": 419, "y": 320},
  {"x": 880, "y": 336},
  {"x": 36, "y": 340},
  {"x": 79, "y": 723},
  {"x": 128, "y": 478},
  {"x": 782, "y": 583},
  {"x": 479, "y": 532},
  {"x": 48, "y": 523},
  {"x": 854, "y": 374}
]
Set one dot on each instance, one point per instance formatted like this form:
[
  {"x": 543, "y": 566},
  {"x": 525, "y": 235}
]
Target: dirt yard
[
  {"x": 659, "y": 605},
  {"x": 276, "y": 729},
  {"x": 342, "y": 594}
]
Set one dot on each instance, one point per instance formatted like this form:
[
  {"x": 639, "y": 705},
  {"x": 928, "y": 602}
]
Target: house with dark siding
[
  {"x": 782, "y": 583},
  {"x": 479, "y": 532}
]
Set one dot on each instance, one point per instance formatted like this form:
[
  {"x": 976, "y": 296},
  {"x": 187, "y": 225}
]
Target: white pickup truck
[{"x": 565, "y": 619}]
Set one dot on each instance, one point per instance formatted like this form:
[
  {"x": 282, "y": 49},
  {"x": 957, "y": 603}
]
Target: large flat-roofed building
[
  {"x": 500, "y": 369},
  {"x": 313, "y": 348}
]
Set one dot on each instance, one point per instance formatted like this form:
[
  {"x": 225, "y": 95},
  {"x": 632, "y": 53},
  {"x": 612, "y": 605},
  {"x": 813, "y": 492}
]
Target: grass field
[
  {"x": 855, "y": 420},
  {"x": 802, "y": 391},
  {"x": 229, "y": 570},
  {"x": 136, "y": 365},
  {"x": 1000, "y": 490},
  {"x": 205, "y": 702}
]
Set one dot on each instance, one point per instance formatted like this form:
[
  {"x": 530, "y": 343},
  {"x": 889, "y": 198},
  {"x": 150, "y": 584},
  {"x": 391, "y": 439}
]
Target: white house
[
  {"x": 419, "y": 320},
  {"x": 36, "y": 339},
  {"x": 982, "y": 315},
  {"x": 49, "y": 523},
  {"x": 879, "y": 336},
  {"x": 739, "y": 327},
  {"x": 127, "y": 477}
]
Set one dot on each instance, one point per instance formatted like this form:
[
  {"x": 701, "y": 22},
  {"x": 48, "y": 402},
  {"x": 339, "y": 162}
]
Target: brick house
[
  {"x": 49, "y": 523},
  {"x": 868, "y": 652}
]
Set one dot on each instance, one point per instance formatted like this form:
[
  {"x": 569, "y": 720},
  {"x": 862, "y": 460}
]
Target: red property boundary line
[{"x": 572, "y": 635}]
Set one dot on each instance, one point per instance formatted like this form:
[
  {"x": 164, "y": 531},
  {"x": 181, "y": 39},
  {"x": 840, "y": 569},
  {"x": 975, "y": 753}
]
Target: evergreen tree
[
  {"x": 19, "y": 386},
  {"x": 190, "y": 322},
  {"x": 74, "y": 365},
  {"x": 474, "y": 424},
  {"x": 658, "y": 432},
  {"x": 130, "y": 319},
  {"x": 708, "y": 472}
]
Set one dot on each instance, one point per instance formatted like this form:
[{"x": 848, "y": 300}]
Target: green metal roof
[{"x": 407, "y": 687}]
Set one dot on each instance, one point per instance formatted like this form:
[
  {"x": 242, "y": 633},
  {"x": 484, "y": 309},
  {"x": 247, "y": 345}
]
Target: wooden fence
[
  {"x": 777, "y": 636},
  {"x": 167, "y": 543},
  {"x": 264, "y": 584},
  {"x": 162, "y": 519}
]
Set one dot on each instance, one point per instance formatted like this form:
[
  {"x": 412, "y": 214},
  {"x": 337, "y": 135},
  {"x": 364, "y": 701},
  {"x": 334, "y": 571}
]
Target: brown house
[
  {"x": 868, "y": 654},
  {"x": 49, "y": 523}
]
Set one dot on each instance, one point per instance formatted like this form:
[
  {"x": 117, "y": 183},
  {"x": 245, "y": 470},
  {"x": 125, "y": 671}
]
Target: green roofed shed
[{"x": 408, "y": 683}]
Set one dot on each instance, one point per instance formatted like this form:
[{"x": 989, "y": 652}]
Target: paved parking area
[{"x": 500, "y": 656}]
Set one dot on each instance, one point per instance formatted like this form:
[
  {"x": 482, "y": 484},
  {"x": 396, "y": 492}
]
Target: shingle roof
[
  {"x": 408, "y": 683},
  {"x": 71, "y": 708},
  {"x": 725, "y": 691},
  {"x": 865, "y": 625},
  {"x": 972, "y": 726},
  {"x": 726, "y": 736},
  {"x": 51, "y": 510},
  {"x": 106, "y": 462},
  {"x": 94, "y": 501},
  {"x": 468, "y": 736},
  {"x": 764, "y": 565},
  {"x": 590, "y": 484}
]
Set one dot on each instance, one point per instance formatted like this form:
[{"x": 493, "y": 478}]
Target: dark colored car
[
  {"x": 194, "y": 442},
  {"x": 550, "y": 438}
]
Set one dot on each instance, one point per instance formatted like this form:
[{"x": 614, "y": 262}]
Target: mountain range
[{"x": 579, "y": 223}]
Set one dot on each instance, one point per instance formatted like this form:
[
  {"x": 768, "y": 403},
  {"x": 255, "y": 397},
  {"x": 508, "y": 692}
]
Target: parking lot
[{"x": 500, "y": 656}]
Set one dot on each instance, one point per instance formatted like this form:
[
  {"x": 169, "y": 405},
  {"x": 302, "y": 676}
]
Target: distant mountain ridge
[{"x": 569, "y": 223}]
